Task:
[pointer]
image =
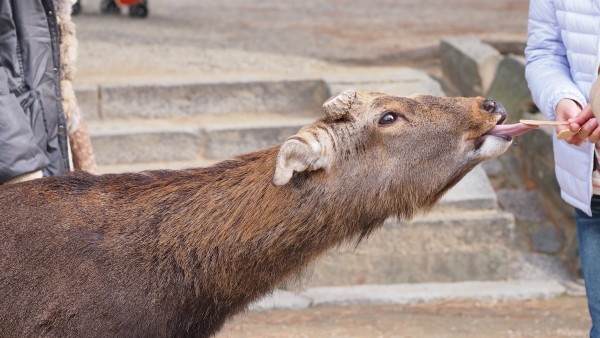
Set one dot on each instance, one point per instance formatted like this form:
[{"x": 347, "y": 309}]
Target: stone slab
[
  {"x": 469, "y": 64},
  {"x": 287, "y": 97},
  {"x": 536, "y": 266},
  {"x": 428, "y": 292},
  {"x": 398, "y": 81},
  {"x": 510, "y": 87},
  {"x": 147, "y": 146},
  {"x": 526, "y": 205},
  {"x": 281, "y": 299},
  {"x": 146, "y": 141},
  {"x": 446, "y": 247},
  {"x": 228, "y": 142},
  {"x": 88, "y": 97},
  {"x": 474, "y": 191}
]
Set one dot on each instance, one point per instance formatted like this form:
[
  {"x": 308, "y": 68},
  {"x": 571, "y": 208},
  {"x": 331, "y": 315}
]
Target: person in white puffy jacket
[{"x": 563, "y": 56}]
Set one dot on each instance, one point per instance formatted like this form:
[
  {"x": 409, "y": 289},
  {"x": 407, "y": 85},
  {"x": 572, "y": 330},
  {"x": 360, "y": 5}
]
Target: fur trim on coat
[{"x": 81, "y": 147}]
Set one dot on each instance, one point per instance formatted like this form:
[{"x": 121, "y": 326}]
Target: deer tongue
[{"x": 511, "y": 129}]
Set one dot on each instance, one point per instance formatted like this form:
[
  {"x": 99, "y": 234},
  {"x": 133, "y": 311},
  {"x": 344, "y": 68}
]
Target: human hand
[
  {"x": 587, "y": 125},
  {"x": 567, "y": 109}
]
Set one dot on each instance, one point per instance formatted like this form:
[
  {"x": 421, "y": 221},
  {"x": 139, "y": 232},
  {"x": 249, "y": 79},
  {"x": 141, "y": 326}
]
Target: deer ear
[{"x": 297, "y": 156}]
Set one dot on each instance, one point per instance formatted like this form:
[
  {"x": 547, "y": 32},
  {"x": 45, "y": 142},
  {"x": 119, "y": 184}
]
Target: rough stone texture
[
  {"x": 146, "y": 141},
  {"x": 226, "y": 143},
  {"x": 288, "y": 97},
  {"x": 89, "y": 101},
  {"x": 145, "y": 144},
  {"x": 537, "y": 162},
  {"x": 492, "y": 167},
  {"x": 574, "y": 288},
  {"x": 281, "y": 299},
  {"x": 505, "y": 172},
  {"x": 535, "y": 266},
  {"x": 443, "y": 247},
  {"x": 510, "y": 87},
  {"x": 526, "y": 205},
  {"x": 532, "y": 217},
  {"x": 473, "y": 192},
  {"x": 508, "y": 46},
  {"x": 227, "y": 118},
  {"x": 548, "y": 239},
  {"x": 538, "y": 165},
  {"x": 399, "y": 81},
  {"x": 469, "y": 64}
]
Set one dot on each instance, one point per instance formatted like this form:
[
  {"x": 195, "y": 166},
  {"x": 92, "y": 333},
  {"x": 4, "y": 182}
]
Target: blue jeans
[{"x": 588, "y": 232}]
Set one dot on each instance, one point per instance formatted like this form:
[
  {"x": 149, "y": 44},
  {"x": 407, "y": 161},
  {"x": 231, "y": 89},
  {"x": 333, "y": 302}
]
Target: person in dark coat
[{"x": 41, "y": 132}]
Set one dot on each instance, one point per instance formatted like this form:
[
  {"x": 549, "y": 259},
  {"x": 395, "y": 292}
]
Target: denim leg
[{"x": 588, "y": 232}]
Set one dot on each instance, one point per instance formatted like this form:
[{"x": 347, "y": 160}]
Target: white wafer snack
[{"x": 544, "y": 123}]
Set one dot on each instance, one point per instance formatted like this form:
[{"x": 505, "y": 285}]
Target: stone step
[
  {"x": 164, "y": 140},
  {"x": 444, "y": 246},
  {"x": 390, "y": 80},
  {"x": 473, "y": 192},
  {"x": 496, "y": 291},
  {"x": 288, "y": 97}
]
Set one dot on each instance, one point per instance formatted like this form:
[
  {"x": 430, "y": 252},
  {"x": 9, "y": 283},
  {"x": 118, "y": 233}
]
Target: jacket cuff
[
  {"x": 556, "y": 98},
  {"x": 26, "y": 177}
]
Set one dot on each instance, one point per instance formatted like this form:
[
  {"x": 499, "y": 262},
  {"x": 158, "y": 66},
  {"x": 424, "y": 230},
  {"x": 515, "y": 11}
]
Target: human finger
[
  {"x": 595, "y": 135},
  {"x": 586, "y": 130},
  {"x": 585, "y": 115}
]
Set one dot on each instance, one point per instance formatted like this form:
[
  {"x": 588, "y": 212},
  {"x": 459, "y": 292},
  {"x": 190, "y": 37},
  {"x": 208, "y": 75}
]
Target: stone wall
[{"x": 524, "y": 177}]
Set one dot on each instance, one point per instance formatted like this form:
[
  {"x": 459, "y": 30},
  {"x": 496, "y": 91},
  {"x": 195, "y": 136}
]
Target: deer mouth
[
  {"x": 497, "y": 139},
  {"x": 508, "y": 131}
]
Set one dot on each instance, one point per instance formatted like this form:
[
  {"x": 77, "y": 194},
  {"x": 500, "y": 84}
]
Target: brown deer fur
[{"x": 176, "y": 253}]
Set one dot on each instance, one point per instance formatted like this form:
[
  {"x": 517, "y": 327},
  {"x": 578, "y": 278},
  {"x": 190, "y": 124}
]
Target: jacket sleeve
[
  {"x": 19, "y": 152},
  {"x": 547, "y": 68}
]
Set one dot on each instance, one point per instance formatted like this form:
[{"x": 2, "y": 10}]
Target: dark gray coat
[{"x": 33, "y": 133}]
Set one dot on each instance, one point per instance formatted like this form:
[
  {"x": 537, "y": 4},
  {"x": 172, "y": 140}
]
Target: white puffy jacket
[{"x": 562, "y": 62}]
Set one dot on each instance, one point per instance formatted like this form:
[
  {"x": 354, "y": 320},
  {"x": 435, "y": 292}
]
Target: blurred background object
[{"x": 137, "y": 8}]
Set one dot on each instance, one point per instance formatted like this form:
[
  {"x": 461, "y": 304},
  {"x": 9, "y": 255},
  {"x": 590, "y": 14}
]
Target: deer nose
[{"x": 494, "y": 107}]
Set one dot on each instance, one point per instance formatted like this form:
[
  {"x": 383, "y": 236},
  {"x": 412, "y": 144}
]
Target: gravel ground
[
  {"x": 202, "y": 38},
  {"x": 558, "y": 317}
]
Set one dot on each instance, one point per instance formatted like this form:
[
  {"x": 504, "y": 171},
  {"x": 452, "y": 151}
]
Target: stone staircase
[
  {"x": 174, "y": 126},
  {"x": 465, "y": 238},
  {"x": 139, "y": 127}
]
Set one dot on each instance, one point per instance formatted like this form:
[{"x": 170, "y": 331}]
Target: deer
[{"x": 175, "y": 253}]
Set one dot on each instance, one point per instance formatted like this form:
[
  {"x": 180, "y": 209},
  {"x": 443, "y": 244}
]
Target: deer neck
[{"x": 251, "y": 235}]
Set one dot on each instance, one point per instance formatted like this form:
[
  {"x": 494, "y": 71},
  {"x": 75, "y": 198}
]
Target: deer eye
[{"x": 388, "y": 118}]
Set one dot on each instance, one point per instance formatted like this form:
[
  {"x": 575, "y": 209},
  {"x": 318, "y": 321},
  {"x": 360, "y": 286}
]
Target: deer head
[{"x": 424, "y": 143}]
